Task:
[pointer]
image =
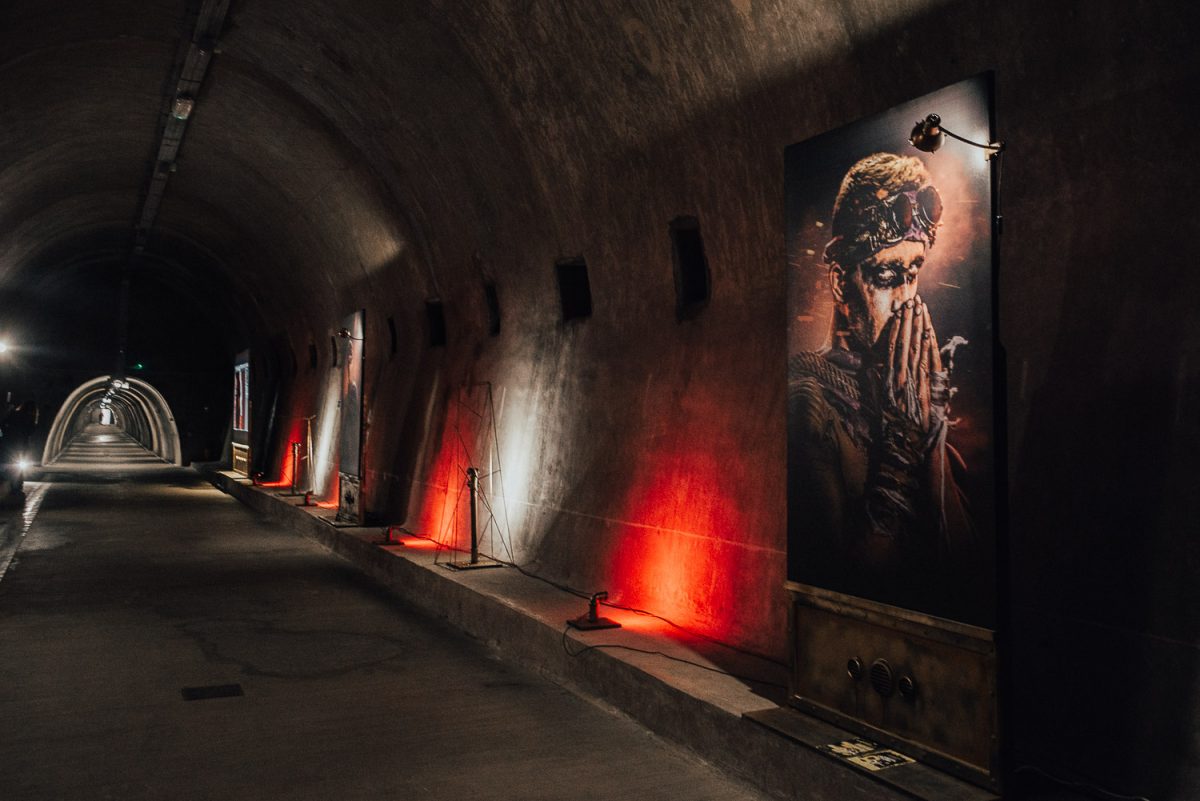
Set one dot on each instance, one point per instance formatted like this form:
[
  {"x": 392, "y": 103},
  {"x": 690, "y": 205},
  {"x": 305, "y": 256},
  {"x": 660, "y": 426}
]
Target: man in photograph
[{"x": 872, "y": 491}]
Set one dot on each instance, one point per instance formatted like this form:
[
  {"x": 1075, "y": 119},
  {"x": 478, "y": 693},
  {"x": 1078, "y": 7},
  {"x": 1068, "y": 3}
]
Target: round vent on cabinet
[{"x": 881, "y": 678}]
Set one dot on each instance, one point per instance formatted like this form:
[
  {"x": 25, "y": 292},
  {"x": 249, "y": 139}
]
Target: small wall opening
[
  {"x": 435, "y": 314},
  {"x": 693, "y": 282},
  {"x": 574, "y": 291},
  {"x": 492, "y": 299}
]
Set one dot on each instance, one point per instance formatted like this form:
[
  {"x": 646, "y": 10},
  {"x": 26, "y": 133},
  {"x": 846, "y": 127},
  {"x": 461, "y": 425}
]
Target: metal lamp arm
[{"x": 996, "y": 147}]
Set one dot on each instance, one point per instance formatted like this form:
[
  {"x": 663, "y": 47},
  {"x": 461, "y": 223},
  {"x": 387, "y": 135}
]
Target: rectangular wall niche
[
  {"x": 492, "y": 299},
  {"x": 312, "y": 356},
  {"x": 692, "y": 280},
  {"x": 573, "y": 289},
  {"x": 435, "y": 313},
  {"x": 391, "y": 323}
]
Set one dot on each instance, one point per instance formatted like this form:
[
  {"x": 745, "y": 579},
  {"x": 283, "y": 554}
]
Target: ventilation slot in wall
[
  {"x": 312, "y": 356},
  {"x": 435, "y": 313},
  {"x": 392, "y": 335},
  {"x": 692, "y": 279},
  {"x": 493, "y": 308},
  {"x": 574, "y": 290}
]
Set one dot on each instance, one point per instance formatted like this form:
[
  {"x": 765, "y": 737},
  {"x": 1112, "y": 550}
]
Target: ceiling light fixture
[{"x": 183, "y": 107}]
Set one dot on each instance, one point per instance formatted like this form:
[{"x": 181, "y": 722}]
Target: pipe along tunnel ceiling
[{"x": 399, "y": 157}]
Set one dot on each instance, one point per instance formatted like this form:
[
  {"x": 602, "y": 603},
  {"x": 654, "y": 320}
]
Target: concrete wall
[{"x": 644, "y": 456}]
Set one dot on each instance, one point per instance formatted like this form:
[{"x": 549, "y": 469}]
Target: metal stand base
[
  {"x": 588, "y": 623},
  {"x": 470, "y": 565}
]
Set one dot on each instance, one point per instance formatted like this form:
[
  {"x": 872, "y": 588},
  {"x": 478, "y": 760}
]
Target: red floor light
[
  {"x": 286, "y": 471},
  {"x": 419, "y": 544},
  {"x": 591, "y": 620}
]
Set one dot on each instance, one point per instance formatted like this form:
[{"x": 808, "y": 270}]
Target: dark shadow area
[{"x": 1103, "y": 505}]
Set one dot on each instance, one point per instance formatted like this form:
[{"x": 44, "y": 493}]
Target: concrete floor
[{"x": 127, "y": 589}]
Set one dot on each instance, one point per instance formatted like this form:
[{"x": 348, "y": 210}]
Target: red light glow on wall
[
  {"x": 675, "y": 543},
  {"x": 287, "y": 468},
  {"x": 679, "y": 555},
  {"x": 420, "y": 544},
  {"x": 444, "y": 512}
]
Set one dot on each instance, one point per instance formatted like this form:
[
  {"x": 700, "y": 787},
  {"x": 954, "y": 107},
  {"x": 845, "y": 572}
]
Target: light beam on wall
[{"x": 327, "y": 431}]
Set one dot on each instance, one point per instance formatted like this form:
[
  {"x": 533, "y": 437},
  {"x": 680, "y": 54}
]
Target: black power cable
[
  {"x": 581, "y": 594},
  {"x": 615, "y": 647}
]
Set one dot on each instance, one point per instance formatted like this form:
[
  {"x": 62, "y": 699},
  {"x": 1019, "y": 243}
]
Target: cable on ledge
[{"x": 587, "y": 596}]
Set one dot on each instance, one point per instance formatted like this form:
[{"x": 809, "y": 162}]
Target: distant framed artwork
[
  {"x": 240, "y": 416},
  {"x": 350, "y": 358},
  {"x": 241, "y": 397}
]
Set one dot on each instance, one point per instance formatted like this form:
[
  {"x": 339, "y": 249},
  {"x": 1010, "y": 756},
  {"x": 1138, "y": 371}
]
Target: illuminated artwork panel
[{"x": 891, "y": 482}]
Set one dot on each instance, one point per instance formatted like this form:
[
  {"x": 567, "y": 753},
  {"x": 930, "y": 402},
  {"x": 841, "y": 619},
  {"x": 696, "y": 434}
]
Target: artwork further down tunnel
[{"x": 350, "y": 358}]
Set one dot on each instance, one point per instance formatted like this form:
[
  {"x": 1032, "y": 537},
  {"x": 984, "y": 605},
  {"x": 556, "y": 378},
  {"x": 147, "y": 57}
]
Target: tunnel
[
  {"x": 347, "y": 253},
  {"x": 129, "y": 406}
]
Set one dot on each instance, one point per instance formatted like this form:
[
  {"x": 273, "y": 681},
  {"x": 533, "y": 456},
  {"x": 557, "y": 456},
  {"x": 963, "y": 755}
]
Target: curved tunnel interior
[
  {"x": 182, "y": 181},
  {"x": 101, "y": 419}
]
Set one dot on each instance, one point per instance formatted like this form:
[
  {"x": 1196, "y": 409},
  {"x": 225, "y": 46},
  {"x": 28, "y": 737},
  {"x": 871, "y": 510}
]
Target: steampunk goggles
[{"x": 905, "y": 216}]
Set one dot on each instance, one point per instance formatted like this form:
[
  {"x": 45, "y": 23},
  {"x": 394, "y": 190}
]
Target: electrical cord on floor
[
  {"x": 587, "y": 596},
  {"x": 693, "y": 633},
  {"x": 556, "y": 585},
  {"x": 1108, "y": 794},
  {"x": 616, "y": 647}
]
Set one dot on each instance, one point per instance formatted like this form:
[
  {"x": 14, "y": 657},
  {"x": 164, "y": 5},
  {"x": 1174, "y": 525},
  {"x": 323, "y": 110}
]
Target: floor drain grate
[{"x": 214, "y": 691}]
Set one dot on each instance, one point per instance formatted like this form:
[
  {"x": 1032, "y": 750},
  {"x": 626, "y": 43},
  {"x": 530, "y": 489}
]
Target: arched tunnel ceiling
[
  {"x": 379, "y": 153},
  {"x": 340, "y": 154},
  {"x": 331, "y": 142},
  {"x": 293, "y": 177}
]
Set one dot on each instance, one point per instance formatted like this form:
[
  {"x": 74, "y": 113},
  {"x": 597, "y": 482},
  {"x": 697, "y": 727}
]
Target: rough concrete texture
[
  {"x": 123, "y": 593},
  {"x": 379, "y": 154}
]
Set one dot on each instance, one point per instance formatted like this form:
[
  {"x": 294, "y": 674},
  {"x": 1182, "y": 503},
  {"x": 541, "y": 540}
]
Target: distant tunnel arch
[{"x": 136, "y": 408}]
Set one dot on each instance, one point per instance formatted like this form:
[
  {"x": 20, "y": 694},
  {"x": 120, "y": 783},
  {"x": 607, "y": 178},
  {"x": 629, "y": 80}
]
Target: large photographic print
[
  {"x": 891, "y": 480},
  {"x": 350, "y": 400}
]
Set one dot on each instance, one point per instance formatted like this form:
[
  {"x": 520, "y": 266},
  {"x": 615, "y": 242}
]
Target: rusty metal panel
[
  {"x": 924, "y": 684},
  {"x": 241, "y": 459}
]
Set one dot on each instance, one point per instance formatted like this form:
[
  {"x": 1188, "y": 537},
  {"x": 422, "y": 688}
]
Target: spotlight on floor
[
  {"x": 389, "y": 533},
  {"x": 592, "y": 621}
]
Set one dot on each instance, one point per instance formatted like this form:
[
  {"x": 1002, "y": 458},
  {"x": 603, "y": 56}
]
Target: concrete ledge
[{"x": 701, "y": 708}]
